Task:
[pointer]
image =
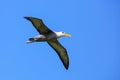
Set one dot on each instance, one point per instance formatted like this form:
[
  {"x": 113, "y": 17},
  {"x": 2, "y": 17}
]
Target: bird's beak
[{"x": 67, "y": 35}]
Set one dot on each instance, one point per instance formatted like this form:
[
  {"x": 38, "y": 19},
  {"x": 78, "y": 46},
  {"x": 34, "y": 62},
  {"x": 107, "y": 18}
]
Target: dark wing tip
[
  {"x": 25, "y": 17},
  {"x": 67, "y": 66},
  {"x": 67, "y": 63},
  {"x": 28, "y": 18}
]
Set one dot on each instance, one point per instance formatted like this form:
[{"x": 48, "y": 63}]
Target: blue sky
[{"x": 94, "y": 49}]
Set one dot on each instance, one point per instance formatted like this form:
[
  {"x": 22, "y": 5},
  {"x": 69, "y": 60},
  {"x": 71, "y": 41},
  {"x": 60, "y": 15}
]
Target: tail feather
[{"x": 30, "y": 40}]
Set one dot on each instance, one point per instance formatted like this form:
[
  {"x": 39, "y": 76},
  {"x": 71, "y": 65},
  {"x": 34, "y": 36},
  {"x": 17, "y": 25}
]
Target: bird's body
[
  {"x": 44, "y": 38},
  {"x": 47, "y": 35}
]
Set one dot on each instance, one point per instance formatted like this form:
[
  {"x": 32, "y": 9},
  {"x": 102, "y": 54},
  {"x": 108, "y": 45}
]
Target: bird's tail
[{"x": 30, "y": 40}]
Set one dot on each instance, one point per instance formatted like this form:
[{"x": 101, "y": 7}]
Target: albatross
[{"x": 47, "y": 35}]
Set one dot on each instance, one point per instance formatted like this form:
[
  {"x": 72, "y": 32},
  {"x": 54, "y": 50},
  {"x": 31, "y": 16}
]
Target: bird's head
[{"x": 61, "y": 34}]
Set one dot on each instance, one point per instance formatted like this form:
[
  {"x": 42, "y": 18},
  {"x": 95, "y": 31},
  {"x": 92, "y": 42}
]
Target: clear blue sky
[{"x": 94, "y": 49}]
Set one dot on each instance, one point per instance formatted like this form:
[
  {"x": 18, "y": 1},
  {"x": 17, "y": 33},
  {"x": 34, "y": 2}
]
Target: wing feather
[
  {"x": 39, "y": 25},
  {"x": 61, "y": 51}
]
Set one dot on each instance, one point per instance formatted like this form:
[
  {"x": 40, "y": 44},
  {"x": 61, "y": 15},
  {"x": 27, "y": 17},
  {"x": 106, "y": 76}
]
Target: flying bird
[{"x": 47, "y": 35}]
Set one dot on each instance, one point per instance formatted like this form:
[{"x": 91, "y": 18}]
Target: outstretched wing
[
  {"x": 61, "y": 51},
  {"x": 39, "y": 25}
]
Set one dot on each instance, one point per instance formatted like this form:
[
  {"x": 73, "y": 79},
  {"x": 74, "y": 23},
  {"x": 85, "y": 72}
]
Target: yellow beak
[{"x": 67, "y": 35}]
